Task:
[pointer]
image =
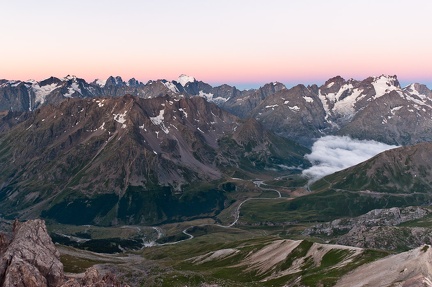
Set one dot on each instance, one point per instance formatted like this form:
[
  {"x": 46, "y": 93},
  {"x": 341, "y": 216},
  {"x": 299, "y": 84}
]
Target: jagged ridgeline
[
  {"x": 131, "y": 160},
  {"x": 375, "y": 108}
]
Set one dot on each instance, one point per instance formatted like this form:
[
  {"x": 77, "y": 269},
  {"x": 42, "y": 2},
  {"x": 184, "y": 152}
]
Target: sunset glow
[{"x": 245, "y": 42}]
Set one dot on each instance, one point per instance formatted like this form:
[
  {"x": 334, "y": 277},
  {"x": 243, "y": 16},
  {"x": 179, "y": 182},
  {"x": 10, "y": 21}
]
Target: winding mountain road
[{"x": 236, "y": 214}]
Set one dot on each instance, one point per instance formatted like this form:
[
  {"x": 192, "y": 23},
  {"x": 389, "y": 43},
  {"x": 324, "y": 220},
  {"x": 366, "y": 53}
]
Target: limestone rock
[
  {"x": 31, "y": 259},
  {"x": 92, "y": 277}
]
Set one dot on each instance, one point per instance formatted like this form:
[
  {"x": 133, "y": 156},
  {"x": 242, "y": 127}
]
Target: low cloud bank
[{"x": 334, "y": 153}]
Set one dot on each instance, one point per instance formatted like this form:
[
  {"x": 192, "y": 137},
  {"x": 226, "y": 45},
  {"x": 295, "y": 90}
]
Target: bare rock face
[
  {"x": 379, "y": 229},
  {"x": 92, "y": 277},
  {"x": 31, "y": 259},
  {"x": 407, "y": 269},
  {"x": 377, "y": 217}
]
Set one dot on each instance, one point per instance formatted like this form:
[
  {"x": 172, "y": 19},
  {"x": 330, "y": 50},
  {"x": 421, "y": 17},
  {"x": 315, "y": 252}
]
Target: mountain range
[
  {"x": 103, "y": 153},
  {"x": 375, "y": 108},
  {"x": 115, "y": 153},
  {"x": 66, "y": 143}
]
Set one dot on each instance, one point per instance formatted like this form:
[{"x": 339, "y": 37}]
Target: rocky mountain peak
[
  {"x": 99, "y": 82},
  {"x": 272, "y": 87},
  {"x": 185, "y": 79},
  {"x": 389, "y": 80},
  {"x": 69, "y": 77},
  {"x": 114, "y": 81},
  {"x": 133, "y": 82},
  {"x": 330, "y": 82},
  {"x": 418, "y": 90},
  {"x": 50, "y": 81}
]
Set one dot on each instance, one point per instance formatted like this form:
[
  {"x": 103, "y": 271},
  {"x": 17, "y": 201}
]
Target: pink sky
[{"x": 217, "y": 41}]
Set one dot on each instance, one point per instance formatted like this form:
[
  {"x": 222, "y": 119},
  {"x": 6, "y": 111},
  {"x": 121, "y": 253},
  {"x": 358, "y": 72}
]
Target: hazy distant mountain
[
  {"x": 105, "y": 154},
  {"x": 375, "y": 108},
  {"x": 29, "y": 95}
]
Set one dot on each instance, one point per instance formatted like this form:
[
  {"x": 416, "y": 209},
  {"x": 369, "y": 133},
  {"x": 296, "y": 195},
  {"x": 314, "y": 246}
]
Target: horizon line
[{"x": 240, "y": 84}]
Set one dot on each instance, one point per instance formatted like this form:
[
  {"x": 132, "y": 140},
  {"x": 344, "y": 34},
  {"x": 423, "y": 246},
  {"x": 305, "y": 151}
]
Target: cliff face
[{"x": 30, "y": 259}]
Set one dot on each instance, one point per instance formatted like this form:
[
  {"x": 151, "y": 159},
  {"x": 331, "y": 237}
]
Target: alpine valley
[{"x": 179, "y": 183}]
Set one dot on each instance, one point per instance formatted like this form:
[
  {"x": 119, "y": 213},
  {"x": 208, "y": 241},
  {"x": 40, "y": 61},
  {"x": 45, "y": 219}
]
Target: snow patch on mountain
[
  {"x": 74, "y": 88},
  {"x": 69, "y": 77},
  {"x": 384, "y": 84},
  {"x": 12, "y": 83},
  {"x": 171, "y": 87},
  {"x": 346, "y": 105},
  {"x": 159, "y": 121},
  {"x": 271, "y": 106},
  {"x": 100, "y": 83},
  {"x": 308, "y": 99},
  {"x": 333, "y": 97},
  {"x": 210, "y": 98},
  {"x": 184, "y": 112},
  {"x": 42, "y": 92},
  {"x": 395, "y": 109},
  {"x": 417, "y": 101},
  {"x": 184, "y": 79},
  {"x": 120, "y": 118}
]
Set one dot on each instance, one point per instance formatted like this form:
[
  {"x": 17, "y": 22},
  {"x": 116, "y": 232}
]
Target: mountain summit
[{"x": 376, "y": 108}]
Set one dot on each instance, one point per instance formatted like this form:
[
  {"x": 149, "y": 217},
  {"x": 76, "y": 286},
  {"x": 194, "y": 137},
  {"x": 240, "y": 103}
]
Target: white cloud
[{"x": 334, "y": 153}]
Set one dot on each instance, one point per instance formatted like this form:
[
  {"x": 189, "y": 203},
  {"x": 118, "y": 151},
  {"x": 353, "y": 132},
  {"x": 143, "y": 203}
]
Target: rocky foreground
[{"x": 28, "y": 258}]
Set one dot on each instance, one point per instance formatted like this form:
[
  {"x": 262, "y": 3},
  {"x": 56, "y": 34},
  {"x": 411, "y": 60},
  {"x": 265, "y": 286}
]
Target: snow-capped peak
[
  {"x": 184, "y": 79},
  {"x": 69, "y": 77},
  {"x": 418, "y": 90},
  {"x": 384, "y": 84},
  {"x": 388, "y": 80},
  {"x": 100, "y": 83}
]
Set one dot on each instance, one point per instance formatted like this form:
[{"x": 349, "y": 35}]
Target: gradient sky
[{"x": 240, "y": 42}]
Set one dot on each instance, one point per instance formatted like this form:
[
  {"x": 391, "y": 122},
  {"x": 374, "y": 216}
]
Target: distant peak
[
  {"x": 101, "y": 83},
  {"x": 184, "y": 79},
  {"x": 330, "y": 82},
  {"x": 69, "y": 77},
  {"x": 386, "y": 77},
  {"x": 389, "y": 80}
]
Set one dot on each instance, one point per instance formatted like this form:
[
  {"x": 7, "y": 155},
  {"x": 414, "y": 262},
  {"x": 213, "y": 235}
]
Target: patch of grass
[
  {"x": 324, "y": 206},
  {"x": 325, "y": 275},
  {"x": 421, "y": 222},
  {"x": 300, "y": 251},
  {"x": 334, "y": 257},
  {"x": 291, "y": 181},
  {"x": 73, "y": 264}
]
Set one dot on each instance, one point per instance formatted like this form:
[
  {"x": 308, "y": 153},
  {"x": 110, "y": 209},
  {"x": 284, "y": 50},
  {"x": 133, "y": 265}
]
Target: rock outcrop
[
  {"x": 377, "y": 217},
  {"x": 30, "y": 259},
  {"x": 378, "y": 229},
  {"x": 92, "y": 277},
  {"x": 408, "y": 269}
]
